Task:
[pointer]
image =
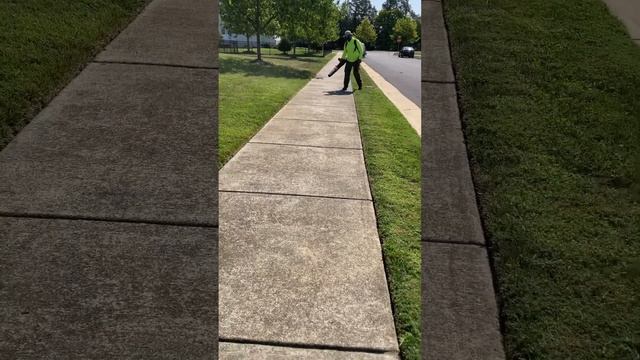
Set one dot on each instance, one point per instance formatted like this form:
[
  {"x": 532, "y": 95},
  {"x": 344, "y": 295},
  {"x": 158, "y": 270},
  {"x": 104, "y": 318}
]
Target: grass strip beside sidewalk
[
  {"x": 549, "y": 93},
  {"x": 392, "y": 152},
  {"x": 44, "y": 44},
  {"x": 251, "y": 94}
]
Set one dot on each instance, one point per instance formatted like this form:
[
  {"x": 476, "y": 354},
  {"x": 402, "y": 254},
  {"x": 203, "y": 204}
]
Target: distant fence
[{"x": 239, "y": 47}]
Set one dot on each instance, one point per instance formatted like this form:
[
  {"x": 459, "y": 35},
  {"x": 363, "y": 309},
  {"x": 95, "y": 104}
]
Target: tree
[
  {"x": 360, "y": 10},
  {"x": 354, "y": 12},
  {"x": 403, "y": 5},
  {"x": 258, "y": 15},
  {"x": 290, "y": 19},
  {"x": 384, "y": 23},
  {"x": 234, "y": 17},
  {"x": 323, "y": 25},
  {"x": 284, "y": 45},
  {"x": 366, "y": 32},
  {"x": 406, "y": 30}
]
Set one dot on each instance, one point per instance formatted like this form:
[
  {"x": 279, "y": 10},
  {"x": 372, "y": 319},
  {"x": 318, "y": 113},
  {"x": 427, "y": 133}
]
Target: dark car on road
[{"x": 407, "y": 51}]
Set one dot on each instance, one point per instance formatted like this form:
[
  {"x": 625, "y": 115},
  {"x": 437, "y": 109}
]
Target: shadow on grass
[
  {"x": 242, "y": 66},
  {"x": 303, "y": 58},
  {"x": 338, "y": 93}
]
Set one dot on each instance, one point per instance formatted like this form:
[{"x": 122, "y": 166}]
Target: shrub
[{"x": 284, "y": 46}]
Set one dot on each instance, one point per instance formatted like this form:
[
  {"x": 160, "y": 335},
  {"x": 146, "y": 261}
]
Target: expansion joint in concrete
[
  {"x": 308, "y": 146},
  {"x": 453, "y": 242},
  {"x": 156, "y": 64},
  {"x": 293, "y": 194},
  {"x": 43, "y": 216},
  {"x": 309, "y": 346}
]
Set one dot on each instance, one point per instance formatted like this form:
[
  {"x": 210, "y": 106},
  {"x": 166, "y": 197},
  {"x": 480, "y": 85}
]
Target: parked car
[{"x": 407, "y": 51}]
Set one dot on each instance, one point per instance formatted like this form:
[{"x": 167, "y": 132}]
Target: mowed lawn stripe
[{"x": 549, "y": 93}]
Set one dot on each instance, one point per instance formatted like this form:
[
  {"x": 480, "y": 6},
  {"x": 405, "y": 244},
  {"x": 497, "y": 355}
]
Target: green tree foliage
[
  {"x": 322, "y": 21},
  {"x": 354, "y": 12},
  {"x": 235, "y": 19},
  {"x": 406, "y": 29},
  {"x": 291, "y": 22},
  {"x": 296, "y": 20},
  {"x": 366, "y": 32},
  {"x": 259, "y": 15},
  {"x": 284, "y": 45},
  {"x": 384, "y": 23},
  {"x": 403, "y": 5},
  {"x": 360, "y": 10}
]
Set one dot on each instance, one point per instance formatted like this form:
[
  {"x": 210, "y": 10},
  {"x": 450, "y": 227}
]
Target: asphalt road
[{"x": 403, "y": 73}]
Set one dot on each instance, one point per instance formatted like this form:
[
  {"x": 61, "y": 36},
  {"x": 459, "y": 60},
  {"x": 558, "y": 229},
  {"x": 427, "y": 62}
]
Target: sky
[{"x": 415, "y": 5}]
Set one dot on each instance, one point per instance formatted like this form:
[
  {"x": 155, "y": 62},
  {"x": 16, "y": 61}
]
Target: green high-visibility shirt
[{"x": 353, "y": 50}]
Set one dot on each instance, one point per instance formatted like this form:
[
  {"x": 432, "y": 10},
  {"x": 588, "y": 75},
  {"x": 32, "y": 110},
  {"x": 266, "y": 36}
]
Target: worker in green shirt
[{"x": 353, "y": 54}]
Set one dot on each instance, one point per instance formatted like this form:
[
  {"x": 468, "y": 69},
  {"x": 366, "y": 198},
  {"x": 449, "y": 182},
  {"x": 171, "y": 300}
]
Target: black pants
[{"x": 356, "y": 72}]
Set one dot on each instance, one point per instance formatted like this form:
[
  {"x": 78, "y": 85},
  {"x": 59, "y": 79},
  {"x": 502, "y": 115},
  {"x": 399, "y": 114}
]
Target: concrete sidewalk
[
  {"x": 301, "y": 270},
  {"x": 108, "y": 202},
  {"x": 628, "y": 11}
]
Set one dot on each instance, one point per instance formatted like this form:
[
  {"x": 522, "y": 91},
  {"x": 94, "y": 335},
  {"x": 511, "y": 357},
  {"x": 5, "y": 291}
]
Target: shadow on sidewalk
[{"x": 337, "y": 93}]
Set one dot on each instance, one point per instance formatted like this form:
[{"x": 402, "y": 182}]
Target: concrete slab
[
  {"x": 322, "y": 98},
  {"x": 318, "y": 113},
  {"x": 232, "y": 351},
  {"x": 433, "y": 14},
  {"x": 95, "y": 290},
  {"x": 449, "y": 211},
  {"x": 310, "y": 133},
  {"x": 115, "y": 144},
  {"x": 436, "y": 59},
  {"x": 302, "y": 270},
  {"x": 297, "y": 170},
  {"x": 172, "y": 32},
  {"x": 459, "y": 311},
  {"x": 629, "y": 13},
  {"x": 439, "y": 106},
  {"x": 445, "y": 150}
]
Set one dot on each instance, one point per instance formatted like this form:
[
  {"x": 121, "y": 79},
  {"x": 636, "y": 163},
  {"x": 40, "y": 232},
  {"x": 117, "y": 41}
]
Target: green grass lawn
[
  {"x": 392, "y": 152},
  {"x": 251, "y": 94},
  {"x": 44, "y": 44},
  {"x": 551, "y": 101}
]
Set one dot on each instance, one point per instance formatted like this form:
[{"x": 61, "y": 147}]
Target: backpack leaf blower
[{"x": 341, "y": 63}]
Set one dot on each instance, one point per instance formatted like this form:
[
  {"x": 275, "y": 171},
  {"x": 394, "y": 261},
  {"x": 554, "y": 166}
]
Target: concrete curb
[{"x": 459, "y": 308}]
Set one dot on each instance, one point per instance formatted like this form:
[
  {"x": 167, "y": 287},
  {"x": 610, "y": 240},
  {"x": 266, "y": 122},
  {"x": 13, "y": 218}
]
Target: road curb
[
  {"x": 407, "y": 108},
  {"x": 459, "y": 307}
]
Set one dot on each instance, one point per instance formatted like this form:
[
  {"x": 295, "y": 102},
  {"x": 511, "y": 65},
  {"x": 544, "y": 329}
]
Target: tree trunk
[
  {"x": 248, "y": 42},
  {"x": 258, "y": 30}
]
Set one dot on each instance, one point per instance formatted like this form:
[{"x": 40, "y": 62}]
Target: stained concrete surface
[
  {"x": 298, "y": 170},
  {"x": 120, "y": 142},
  {"x": 86, "y": 289},
  {"x": 303, "y": 270},
  {"x": 310, "y": 133},
  {"x": 170, "y": 32},
  {"x": 459, "y": 316}
]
